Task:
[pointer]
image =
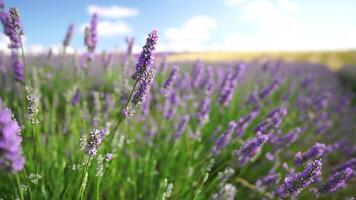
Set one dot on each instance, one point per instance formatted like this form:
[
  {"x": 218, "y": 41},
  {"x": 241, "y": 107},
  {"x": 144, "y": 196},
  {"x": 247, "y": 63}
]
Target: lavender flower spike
[
  {"x": 181, "y": 127},
  {"x": 13, "y": 29},
  {"x": 93, "y": 30},
  {"x": 144, "y": 71},
  {"x": 316, "y": 151},
  {"x": 11, "y": 159},
  {"x": 145, "y": 60},
  {"x": 337, "y": 181},
  {"x": 224, "y": 139},
  {"x": 251, "y": 148},
  {"x": 295, "y": 183},
  {"x": 171, "y": 78},
  {"x": 68, "y": 37},
  {"x": 96, "y": 136}
]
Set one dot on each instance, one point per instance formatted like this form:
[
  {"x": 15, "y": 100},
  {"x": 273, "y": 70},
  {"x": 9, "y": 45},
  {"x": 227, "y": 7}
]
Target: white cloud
[
  {"x": 112, "y": 11},
  {"x": 4, "y": 43},
  {"x": 196, "y": 28},
  {"x": 191, "y": 35},
  {"x": 109, "y": 28},
  {"x": 267, "y": 16}
]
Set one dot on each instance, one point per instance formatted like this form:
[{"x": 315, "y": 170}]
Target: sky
[{"x": 193, "y": 25}]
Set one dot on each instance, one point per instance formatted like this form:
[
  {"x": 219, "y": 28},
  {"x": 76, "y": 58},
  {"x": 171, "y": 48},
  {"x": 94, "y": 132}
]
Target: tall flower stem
[
  {"x": 121, "y": 118},
  {"x": 253, "y": 187},
  {"x": 18, "y": 184}
]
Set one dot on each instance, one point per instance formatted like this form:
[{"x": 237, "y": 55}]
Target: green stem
[
  {"x": 18, "y": 183},
  {"x": 98, "y": 188}
]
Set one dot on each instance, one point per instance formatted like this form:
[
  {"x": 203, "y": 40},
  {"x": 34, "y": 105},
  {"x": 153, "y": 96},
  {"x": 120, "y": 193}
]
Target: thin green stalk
[
  {"x": 120, "y": 120},
  {"x": 97, "y": 197},
  {"x": 18, "y": 183}
]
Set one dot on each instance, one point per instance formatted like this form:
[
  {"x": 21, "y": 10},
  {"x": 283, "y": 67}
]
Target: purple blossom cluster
[
  {"x": 144, "y": 70},
  {"x": 272, "y": 121},
  {"x": 250, "y": 148},
  {"x": 225, "y": 138},
  {"x": 293, "y": 184},
  {"x": 96, "y": 137},
  {"x": 68, "y": 37},
  {"x": 11, "y": 158},
  {"x": 337, "y": 181},
  {"x": 13, "y": 29},
  {"x": 316, "y": 151}
]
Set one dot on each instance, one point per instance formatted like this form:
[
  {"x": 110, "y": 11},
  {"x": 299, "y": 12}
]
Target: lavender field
[{"x": 126, "y": 125}]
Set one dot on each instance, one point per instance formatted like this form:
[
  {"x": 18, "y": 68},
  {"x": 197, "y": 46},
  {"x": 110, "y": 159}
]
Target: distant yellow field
[{"x": 334, "y": 59}]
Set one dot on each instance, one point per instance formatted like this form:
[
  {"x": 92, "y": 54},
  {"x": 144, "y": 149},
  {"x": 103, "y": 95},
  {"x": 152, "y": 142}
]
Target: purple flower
[
  {"x": 295, "y": 183},
  {"x": 96, "y": 136},
  {"x": 268, "y": 90},
  {"x": 197, "y": 74},
  {"x": 244, "y": 122},
  {"x": 204, "y": 110},
  {"x": 337, "y": 181},
  {"x": 228, "y": 86},
  {"x": 170, "y": 106},
  {"x": 146, "y": 58},
  {"x": 316, "y": 151},
  {"x": 17, "y": 67},
  {"x": 285, "y": 140},
  {"x": 13, "y": 29},
  {"x": 144, "y": 71},
  {"x": 224, "y": 139},
  {"x": 130, "y": 42},
  {"x": 171, "y": 78},
  {"x": 272, "y": 120},
  {"x": 108, "y": 157},
  {"x": 93, "y": 30},
  {"x": 87, "y": 38},
  {"x": 348, "y": 164},
  {"x": 68, "y": 37},
  {"x": 145, "y": 107},
  {"x": 76, "y": 97},
  {"x": 251, "y": 148},
  {"x": 181, "y": 127},
  {"x": 11, "y": 159}
]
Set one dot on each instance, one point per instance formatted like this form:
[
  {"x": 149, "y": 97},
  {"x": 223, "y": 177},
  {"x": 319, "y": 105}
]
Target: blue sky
[{"x": 196, "y": 25}]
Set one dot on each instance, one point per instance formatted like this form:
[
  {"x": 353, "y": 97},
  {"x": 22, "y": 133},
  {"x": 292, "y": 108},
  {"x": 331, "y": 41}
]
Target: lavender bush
[{"x": 152, "y": 129}]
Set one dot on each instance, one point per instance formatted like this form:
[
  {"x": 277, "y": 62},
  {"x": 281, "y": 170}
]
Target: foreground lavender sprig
[
  {"x": 144, "y": 70},
  {"x": 295, "y": 183},
  {"x": 146, "y": 58},
  {"x": 96, "y": 136},
  {"x": 11, "y": 159},
  {"x": 13, "y": 29},
  {"x": 337, "y": 181}
]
